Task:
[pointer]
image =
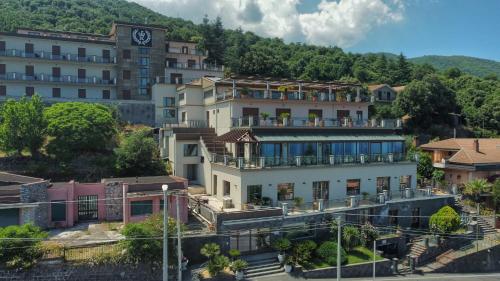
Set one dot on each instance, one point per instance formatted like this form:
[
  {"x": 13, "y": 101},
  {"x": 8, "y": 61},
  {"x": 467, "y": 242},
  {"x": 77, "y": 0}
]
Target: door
[
  {"x": 341, "y": 114},
  {"x": 250, "y": 111},
  {"x": 87, "y": 207},
  {"x": 30, "y": 71},
  {"x": 82, "y": 53},
  {"x": 56, "y": 73},
  {"x": 191, "y": 172},
  {"x": 29, "y": 48},
  {"x": 208, "y": 118},
  {"x": 56, "y": 51},
  {"x": 9, "y": 217}
]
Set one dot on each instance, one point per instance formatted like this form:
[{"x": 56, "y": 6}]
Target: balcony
[
  {"x": 63, "y": 57},
  {"x": 66, "y": 79},
  {"x": 294, "y": 96},
  {"x": 206, "y": 67},
  {"x": 304, "y": 122},
  {"x": 196, "y": 52},
  {"x": 306, "y": 161}
]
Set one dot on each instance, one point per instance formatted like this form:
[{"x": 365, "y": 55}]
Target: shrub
[
  {"x": 350, "y": 237},
  {"x": 368, "y": 233},
  {"x": 302, "y": 252},
  {"x": 282, "y": 245},
  {"x": 238, "y": 265},
  {"x": 217, "y": 264},
  {"x": 23, "y": 251},
  {"x": 328, "y": 251},
  {"x": 444, "y": 220},
  {"x": 210, "y": 250},
  {"x": 234, "y": 254}
]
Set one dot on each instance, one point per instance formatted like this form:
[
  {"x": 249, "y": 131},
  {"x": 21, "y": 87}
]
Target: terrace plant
[
  {"x": 351, "y": 237},
  {"x": 284, "y": 115},
  {"x": 217, "y": 264},
  {"x": 234, "y": 254},
  {"x": 302, "y": 252},
  {"x": 264, "y": 115},
  {"x": 210, "y": 250},
  {"x": 312, "y": 116},
  {"x": 298, "y": 202},
  {"x": 282, "y": 245}
]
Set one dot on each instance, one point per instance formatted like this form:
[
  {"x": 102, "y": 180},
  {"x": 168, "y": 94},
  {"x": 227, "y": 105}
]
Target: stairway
[
  {"x": 417, "y": 248},
  {"x": 441, "y": 261},
  {"x": 262, "y": 266},
  {"x": 213, "y": 146},
  {"x": 485, "y": 228}
]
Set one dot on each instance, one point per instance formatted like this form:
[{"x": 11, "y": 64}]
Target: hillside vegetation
[
  {"x": 433, "y": 94},
  {"x": 470, "y": 65}
]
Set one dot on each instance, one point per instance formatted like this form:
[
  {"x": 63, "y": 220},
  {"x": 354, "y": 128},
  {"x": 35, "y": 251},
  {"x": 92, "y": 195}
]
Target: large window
[
  {"x": 254, "y": 193},
  {"x": 271, "y": 149},
  {"x": 190, "y": 150},
  {"x": 144, "y": 207},
  {"x": 168, "y": 101},
  {"x": 338, "y": 148},
  {"x": 285, "y": 191},
  {"x": 227, "y": 188},
  {"x": 58, "y": 210},
  {"x": 320, "y": 190},
  {"x": 353, "y": 187},
  {"x": 383, "y": 183},
  {"x": 168, "y": 113}
]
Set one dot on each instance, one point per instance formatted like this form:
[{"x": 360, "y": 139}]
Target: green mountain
[{"x": 471, "y": 65}]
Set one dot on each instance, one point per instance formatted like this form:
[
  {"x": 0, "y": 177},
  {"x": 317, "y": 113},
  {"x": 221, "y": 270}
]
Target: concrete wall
[{"x": 382, "y": 268}]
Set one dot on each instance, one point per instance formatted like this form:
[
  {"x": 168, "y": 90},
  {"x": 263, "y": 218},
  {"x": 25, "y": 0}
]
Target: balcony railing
[
  {"x": 195, "y": 66},
  {"x": 303, "y": 122},
  {"x": 294, "y": 96},
  {"x": 62, "y": 57},
  {"x": 71, "y": 79},
  {"x": 190, "y": 51},
  {"x": 304, "y": 161}
]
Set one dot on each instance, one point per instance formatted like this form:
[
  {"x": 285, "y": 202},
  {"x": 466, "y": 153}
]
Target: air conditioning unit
[{"x": 227, "y": 202}]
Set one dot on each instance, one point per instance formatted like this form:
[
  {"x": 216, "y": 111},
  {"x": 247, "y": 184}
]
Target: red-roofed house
[{"x": 465, "y": 159}]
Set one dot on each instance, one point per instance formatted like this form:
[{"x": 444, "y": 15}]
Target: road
[{"x": 440, "y": 277}]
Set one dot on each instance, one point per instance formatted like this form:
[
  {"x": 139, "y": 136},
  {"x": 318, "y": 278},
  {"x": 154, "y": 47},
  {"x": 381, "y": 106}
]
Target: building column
[{"x": 126, "y": 207}]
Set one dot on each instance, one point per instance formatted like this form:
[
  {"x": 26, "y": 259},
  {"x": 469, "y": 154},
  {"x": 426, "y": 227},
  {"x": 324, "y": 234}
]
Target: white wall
[
  {"x": 68, "y": 92},
  {"x": 304, "y": 177}
]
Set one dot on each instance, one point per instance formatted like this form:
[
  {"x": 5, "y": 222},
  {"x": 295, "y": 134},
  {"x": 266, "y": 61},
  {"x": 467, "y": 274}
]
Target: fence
[{"x": 56, "y": 251}]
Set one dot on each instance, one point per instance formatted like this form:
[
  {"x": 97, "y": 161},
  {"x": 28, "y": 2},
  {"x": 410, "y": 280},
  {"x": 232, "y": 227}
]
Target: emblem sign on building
[{"x": 141, "y": 37}]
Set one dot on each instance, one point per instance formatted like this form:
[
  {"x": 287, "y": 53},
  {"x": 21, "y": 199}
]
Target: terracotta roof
[
  {"x": 489, "y": 150},
  {"x": 238, "y": 135},
  {"x": 398, "y": 89},
  {"x": 377, "y": 86}
]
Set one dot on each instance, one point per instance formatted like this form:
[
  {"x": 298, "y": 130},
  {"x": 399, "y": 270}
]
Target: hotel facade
[
  {"x": 287, "y": 149},
  {"x": 119, "y": 69}
]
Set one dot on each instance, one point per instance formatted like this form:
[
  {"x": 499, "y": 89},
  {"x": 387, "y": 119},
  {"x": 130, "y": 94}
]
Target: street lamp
[{"x": 165, "y": 232}]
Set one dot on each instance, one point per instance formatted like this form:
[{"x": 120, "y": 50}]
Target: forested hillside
[
  {"x": 430, "y": 98},
  {"x": 474, "y": 66}
]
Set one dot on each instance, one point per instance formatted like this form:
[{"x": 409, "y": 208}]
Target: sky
[{"x": 413, "y": 27}]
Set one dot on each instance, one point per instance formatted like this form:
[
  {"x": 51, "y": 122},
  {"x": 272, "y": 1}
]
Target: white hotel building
[
  {"x": 118, "y": 69},
  {"x": 245, "y": 143}
]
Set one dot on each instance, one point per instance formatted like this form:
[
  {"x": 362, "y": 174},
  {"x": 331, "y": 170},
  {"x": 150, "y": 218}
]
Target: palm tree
[
  {"x": 210, "y": 250},
  {"x": 476, "y": 187}
]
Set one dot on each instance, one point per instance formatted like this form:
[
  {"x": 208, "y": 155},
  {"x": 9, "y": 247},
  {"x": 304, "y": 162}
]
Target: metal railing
[
  {"x": 61, "y": 57},
  {"x": 41, "y": 77},
  {"x": 207, "y": 67},
  {"x": 293, "y": 96},
  {"x": 304, "y": 122},
  {"x": 187, "y": 124},
  {"x": 191, "y": 51},
  {"x": 260, "y": 162}
]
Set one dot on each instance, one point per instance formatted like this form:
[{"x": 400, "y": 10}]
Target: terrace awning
[
  {"x": 323, "y": 137},
  {"x": 238, "y": 135}
]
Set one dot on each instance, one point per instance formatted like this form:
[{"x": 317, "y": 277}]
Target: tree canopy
[{"x": 76, "y": 127}]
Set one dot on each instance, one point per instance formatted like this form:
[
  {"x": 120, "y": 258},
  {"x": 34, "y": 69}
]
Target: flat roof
[{"x": 143, "y": 180}]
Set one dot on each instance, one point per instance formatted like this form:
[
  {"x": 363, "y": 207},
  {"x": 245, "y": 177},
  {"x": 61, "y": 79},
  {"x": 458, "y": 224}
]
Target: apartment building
[
  {"x": 120, "y": 68},
  {"x": 285, "y": 148}
]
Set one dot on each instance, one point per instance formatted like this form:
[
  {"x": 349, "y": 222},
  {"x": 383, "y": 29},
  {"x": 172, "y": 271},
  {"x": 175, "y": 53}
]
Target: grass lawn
[
  {"x": 361, "y": 254},
  {"x": 357, "y": 255}
]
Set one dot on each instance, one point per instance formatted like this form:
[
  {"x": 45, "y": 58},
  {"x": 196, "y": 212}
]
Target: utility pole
[
  {"x": 374, "y": 255},
  {"x": 477, "y": 228},
  {"x": 339, "y": 219},
  {"x": 165, "y": 232},
  {"x": 179, "y": 250}
]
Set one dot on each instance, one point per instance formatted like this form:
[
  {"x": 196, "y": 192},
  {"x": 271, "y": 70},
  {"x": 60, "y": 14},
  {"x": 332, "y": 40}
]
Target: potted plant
[
  {"x": 289, "y": 264},
  {"x": 234, "y": 254},
  {"x": 298, "y": 201},
  {"x": 312, "y": 118},
  {"x": 238, "y": 266},
  {"x": 365, "y": 195},
  {"x": 314, "y": 96},
  {"x": 257, "y": 203},
  {"x": 282, "y": 245},
  {"x": 244, "y": 92},
  {"x": 264, "y": 116},
  {"x": 284, "y": 118},
  {"x": 284, "y": 92}
]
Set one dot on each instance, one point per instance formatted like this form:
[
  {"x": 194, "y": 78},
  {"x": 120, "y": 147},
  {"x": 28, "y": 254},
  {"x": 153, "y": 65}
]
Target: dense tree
[
  {"x": 138, "y": 155},
  {"x": 22, "y": 125},
  {"x": 76, "y": 127},
  {"x": 213, "y": 40},
  {"x": 403, "y": 72},
  {"x": 426, "y": 102},
  {"x": 476, "y": 187}
]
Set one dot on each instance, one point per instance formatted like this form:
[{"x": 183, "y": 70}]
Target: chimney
[{"x": 476, "y": 145}]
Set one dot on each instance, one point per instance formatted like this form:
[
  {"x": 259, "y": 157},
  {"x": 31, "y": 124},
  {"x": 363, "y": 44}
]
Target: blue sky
[{"x": 414, "y": 27}]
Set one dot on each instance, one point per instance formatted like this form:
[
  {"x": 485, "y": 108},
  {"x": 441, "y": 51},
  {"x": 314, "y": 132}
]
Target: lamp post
[
  {"x": 165, "y": 232},
  {"x": 339, "y": 231},
  {"x": 179, "y": 245}
]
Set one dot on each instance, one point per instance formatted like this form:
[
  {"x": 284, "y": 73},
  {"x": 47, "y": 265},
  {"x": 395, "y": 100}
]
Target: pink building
[{"x": 115, "y": 199}]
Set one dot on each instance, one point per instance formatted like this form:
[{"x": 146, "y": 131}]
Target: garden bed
[{"x": 357, "y": 255}]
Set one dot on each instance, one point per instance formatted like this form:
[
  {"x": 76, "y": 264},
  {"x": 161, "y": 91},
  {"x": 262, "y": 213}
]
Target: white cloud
[{"x": 342, "y": 23}]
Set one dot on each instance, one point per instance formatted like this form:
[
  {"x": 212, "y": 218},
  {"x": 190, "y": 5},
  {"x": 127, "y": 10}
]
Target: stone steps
[{"x": 263, "y": 267}]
